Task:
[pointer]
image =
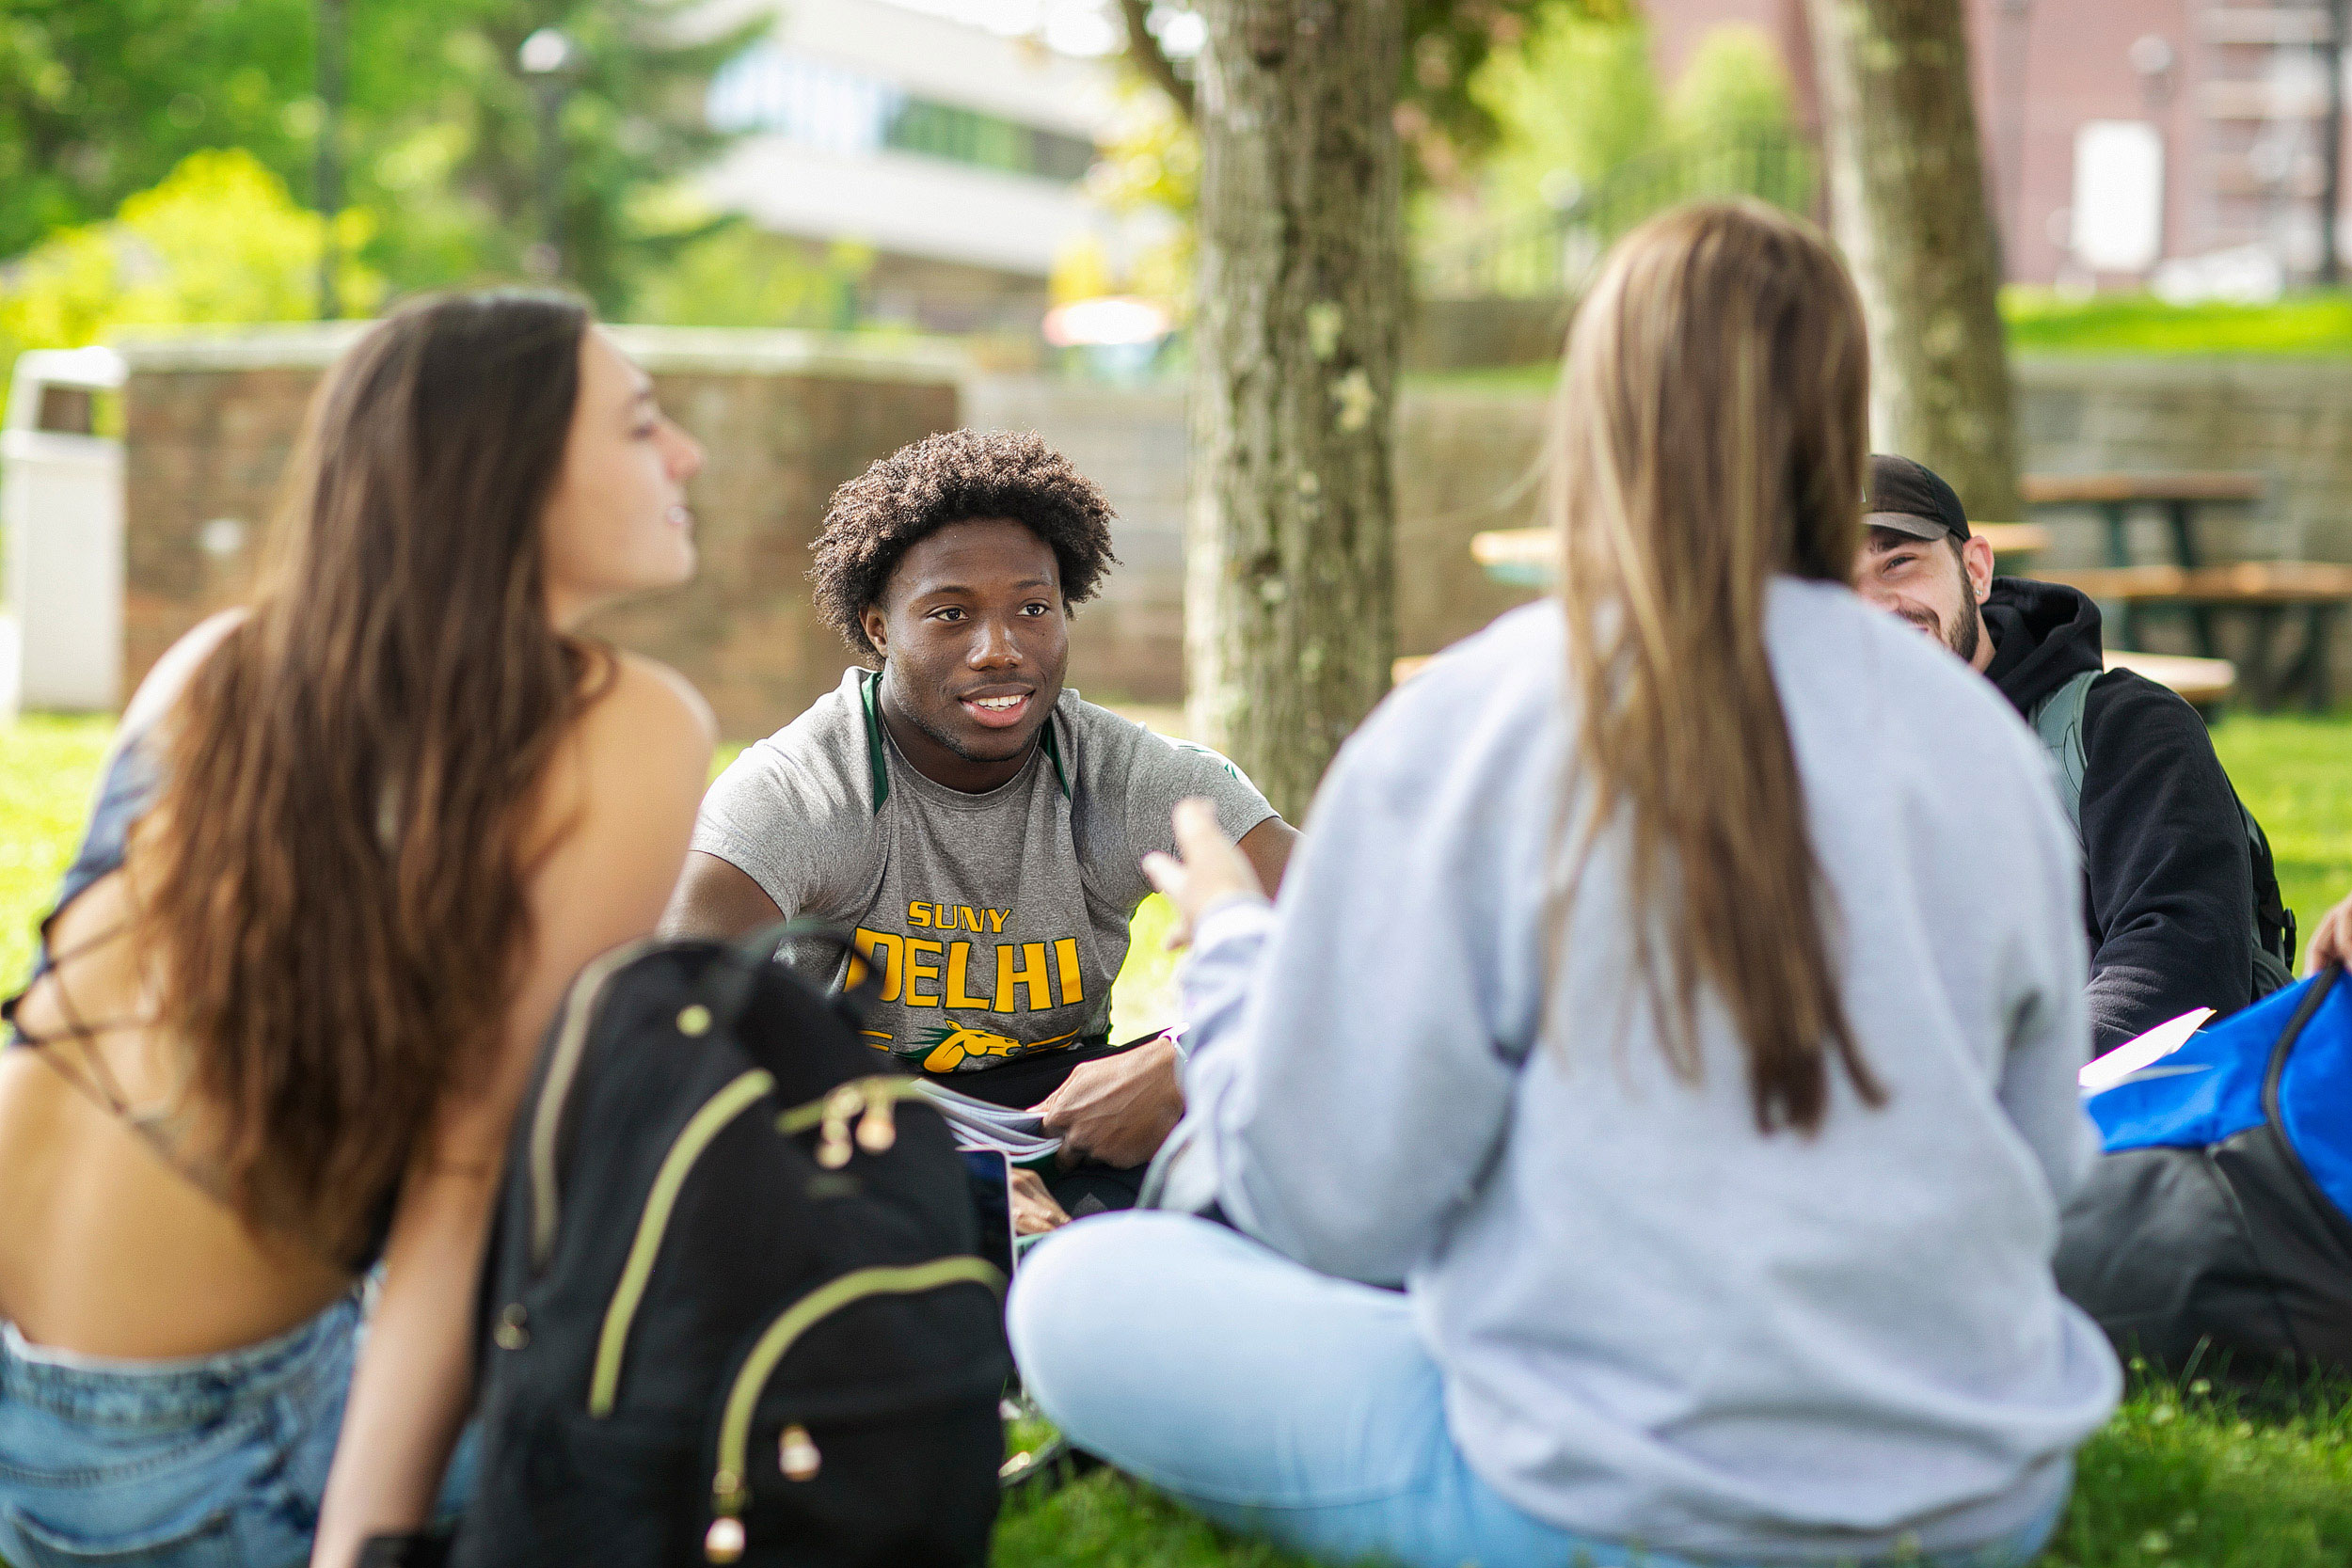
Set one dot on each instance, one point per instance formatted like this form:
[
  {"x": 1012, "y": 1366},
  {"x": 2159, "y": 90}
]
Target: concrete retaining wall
[{"x": 788, "y": 416}]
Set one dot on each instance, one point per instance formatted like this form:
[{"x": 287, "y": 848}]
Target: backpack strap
[
  {"x": 2057, "y": 719},
  {"x": 728, "y": 985}
]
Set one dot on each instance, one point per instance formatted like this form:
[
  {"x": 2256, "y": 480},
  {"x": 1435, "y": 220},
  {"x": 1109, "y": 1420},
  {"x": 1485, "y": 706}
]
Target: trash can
[{"x": 62, "y": 501}]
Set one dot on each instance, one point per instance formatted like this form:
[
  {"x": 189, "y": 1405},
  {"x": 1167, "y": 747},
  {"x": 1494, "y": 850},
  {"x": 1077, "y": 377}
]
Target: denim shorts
[{"x": 213, "y": 1461}]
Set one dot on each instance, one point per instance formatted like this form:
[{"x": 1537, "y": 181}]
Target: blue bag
[{"x": 2216, "y": 1230}]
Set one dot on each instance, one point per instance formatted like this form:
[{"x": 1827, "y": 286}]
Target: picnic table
[
  {"x": 1522, "y": 557},
  {"x": 2269, "y": 594},
  {"x": 2204, "y": 683},
  {"x": 1526, "y": 558}
]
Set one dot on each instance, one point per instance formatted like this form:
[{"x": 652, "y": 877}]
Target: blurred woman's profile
[{"x": 352, "y": 841}]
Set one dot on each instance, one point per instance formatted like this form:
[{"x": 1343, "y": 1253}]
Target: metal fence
[{"x": 1554, "y": 252}]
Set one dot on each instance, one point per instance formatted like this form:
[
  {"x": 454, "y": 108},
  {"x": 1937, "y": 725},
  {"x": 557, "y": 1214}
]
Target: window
[{"x": 828, "y": 106}]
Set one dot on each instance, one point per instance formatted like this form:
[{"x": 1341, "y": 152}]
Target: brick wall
[
  {"x": 1467, "y": 462},
  {"x": 786, "y": 418}
]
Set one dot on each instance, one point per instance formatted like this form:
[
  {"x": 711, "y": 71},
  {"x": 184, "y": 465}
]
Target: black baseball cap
[{"x": 1909, "y": 499}]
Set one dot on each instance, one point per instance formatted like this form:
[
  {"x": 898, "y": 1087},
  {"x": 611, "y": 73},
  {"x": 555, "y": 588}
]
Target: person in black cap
[{"x": 2182, "y": 905}]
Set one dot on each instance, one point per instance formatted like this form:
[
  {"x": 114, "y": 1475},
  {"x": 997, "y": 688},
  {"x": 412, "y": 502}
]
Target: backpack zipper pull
[
  {"x": 876, "y": 1132},
  {"x": 724, "y": 1540},
  {"x": 833, "y": 1148},
  {"x": 796, "y": 1455}
]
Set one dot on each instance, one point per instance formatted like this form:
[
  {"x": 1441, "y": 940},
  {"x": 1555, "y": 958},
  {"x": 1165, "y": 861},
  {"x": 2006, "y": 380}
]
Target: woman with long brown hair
[
  {"x": 351, "y": 842},
  {"x": 1678, "y": 992}
]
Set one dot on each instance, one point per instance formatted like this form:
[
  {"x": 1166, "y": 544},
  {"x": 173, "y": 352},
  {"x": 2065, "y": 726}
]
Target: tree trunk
[
  {"x": 1290, "y": 574},
  {"x": 1907, "y": 199}
]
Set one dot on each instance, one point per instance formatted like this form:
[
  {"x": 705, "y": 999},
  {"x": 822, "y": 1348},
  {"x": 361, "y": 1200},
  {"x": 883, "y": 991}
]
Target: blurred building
[
  {"x": 956, "y": 153},
  {"x": 2183, "y": 142}
]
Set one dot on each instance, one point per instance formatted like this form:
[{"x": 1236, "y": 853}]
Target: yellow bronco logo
[{"x": 951, "y": 1047}]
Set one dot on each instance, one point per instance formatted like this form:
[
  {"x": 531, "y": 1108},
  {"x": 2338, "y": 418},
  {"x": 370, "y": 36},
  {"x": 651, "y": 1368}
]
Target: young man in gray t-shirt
[{"x": 980, "y": 827}]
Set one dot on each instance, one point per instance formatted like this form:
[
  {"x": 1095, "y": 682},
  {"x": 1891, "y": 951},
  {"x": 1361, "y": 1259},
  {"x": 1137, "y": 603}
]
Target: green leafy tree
[
  {"x": 738, "y": 275},
  {"x": 1735, "y": 85},
  {"x": 439, "y": 138},
  {"x": 100, "y": 98},
  {"x": 1448, "y": 125},
  {"x": 1576, "y": 102},
  {"x": 461, "y": 137},
  {"x": 221, "y": 240}
]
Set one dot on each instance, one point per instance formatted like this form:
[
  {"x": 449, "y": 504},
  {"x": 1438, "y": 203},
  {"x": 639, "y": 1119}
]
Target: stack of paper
[
  {"x": 1020, "y": 1135},
  {"x": 2137, "y": 1058}
]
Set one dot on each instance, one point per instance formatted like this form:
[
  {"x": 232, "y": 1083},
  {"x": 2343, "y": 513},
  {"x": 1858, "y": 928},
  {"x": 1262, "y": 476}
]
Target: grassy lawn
[
  {"x": 2042, "y": 322},
  {"x": 2183, "y": 1478},
  {"x": 2312, "y": 326}
]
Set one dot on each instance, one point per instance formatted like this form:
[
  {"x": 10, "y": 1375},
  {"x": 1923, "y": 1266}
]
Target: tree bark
[
  {"x": 1907, "y": 200},
  {"x": 1290, "y": 575}
]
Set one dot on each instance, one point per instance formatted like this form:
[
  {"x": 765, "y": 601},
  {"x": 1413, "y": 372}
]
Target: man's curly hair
[{"x": 953, "y": 478}]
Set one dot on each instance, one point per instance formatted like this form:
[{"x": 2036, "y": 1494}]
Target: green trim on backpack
[
  {"x": 2058, "y": 720},
  {"x": 869, "y": 683},
  {"x": 868, "y": 687}
]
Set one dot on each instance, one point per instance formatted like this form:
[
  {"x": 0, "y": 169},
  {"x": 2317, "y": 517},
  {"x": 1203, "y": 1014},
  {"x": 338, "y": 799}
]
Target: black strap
[
  {"x": 2322, "y": 983},
  {"x": 728, "y": 985}
]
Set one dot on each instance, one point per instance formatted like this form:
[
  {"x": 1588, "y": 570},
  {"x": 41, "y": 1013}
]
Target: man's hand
[
  {"x": 2332, "y": 943},
  {"x": 1211, "y": 867},
  {"x": 1117, "y": 1110},
  {"x": 1034, "y": 1209}
]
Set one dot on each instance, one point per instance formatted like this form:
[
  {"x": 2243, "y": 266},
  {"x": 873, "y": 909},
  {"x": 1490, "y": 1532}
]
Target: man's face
[
  {"x": 975, "y": 637},
  {"x": 1930, "y": 585}
]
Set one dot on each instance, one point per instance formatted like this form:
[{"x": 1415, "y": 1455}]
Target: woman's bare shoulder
[
  {"x": 170, "y": 676},
  {"x": 647, "y": 701},
  {"x": 639, "y": 755}
]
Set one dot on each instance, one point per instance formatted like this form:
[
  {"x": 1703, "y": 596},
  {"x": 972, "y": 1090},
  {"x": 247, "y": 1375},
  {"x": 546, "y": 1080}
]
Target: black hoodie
[{"x": 2169, "y": 879}]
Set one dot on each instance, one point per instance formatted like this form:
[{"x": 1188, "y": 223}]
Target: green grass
[
  {"x": 2122, "y": 326},
  {"x": 2180, "y": 1478},
  {"x": 48, "y": 767},
  {"x": 2315, "y": 326},
  {"x": 2295, "y": 773}
]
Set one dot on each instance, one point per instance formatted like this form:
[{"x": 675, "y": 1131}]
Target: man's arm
[
  {"x": 1267, "y": 849},
  {"x": 2172, "y": 883},
  {"x": 716, "y": 900}
]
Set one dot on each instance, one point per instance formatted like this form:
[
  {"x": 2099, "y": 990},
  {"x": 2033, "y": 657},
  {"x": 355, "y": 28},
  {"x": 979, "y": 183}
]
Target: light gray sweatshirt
[{"x": 1654, "y": 1323}]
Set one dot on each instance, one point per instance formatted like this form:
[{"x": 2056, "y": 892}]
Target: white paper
[
  {"x": 2137, "y": 1055},
  {"x": 1020, "y": 1134}
]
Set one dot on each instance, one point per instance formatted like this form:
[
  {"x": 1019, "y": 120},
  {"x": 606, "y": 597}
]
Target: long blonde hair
[{"x": 1714, "y": 432}]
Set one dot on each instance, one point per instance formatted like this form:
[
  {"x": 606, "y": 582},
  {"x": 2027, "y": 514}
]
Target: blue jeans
[
  {"x": 213, "y": 1461},
  {"x": 1287, "y": 1404}
]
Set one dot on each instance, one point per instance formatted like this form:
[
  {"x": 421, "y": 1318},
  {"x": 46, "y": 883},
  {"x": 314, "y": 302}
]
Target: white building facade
[{"x": 956, "y": 151}]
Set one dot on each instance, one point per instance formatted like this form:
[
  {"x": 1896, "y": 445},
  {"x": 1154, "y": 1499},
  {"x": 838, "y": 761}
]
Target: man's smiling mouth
[{"x": 998, "y": 709}]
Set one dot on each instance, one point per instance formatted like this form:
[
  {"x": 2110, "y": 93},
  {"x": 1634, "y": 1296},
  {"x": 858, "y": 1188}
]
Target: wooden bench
[
  {"x": 1524, "y": 557},
  {"x": 2268, "y": 593},
  {"x": 2204, "y": 683}
]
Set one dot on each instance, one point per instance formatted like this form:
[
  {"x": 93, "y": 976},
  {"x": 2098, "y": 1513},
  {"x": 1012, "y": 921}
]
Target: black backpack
[
  {"x": 733, "y": 1309},
  {"x": 2058, "y": 721},
  {"x": 2216, "y": 1232}
]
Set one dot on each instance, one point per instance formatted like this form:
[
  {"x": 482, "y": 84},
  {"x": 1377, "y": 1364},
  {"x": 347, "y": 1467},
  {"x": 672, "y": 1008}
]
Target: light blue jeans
[
  {"x": 213, "y": 1462},
  {"x": 1286, "y": 1404}
]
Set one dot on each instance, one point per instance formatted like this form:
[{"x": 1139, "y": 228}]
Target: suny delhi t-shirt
[{"x": 996, "y": 922}]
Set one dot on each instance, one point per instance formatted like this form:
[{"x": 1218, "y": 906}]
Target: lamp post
[
  {"x": 2332, "y": 146},
  {"x": 327, "y": 182},
  {"x": 548, "y": 58}
]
